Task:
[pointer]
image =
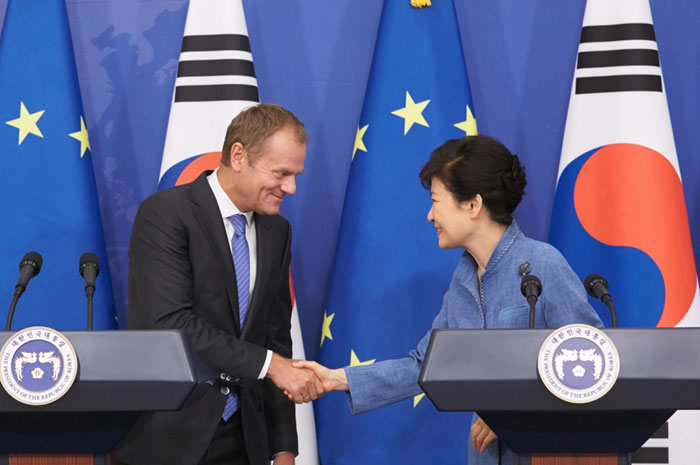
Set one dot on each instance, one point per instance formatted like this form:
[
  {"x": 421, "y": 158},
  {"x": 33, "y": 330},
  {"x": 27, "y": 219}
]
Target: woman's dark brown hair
[{"x": 479, "y": 165}]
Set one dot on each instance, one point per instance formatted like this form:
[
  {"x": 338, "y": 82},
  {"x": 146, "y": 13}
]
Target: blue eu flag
[
  {"x": 389, "y": 274},
  {"x": 46, "y": 178}
]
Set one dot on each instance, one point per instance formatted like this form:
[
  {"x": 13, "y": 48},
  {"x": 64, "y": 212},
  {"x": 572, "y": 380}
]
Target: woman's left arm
[{"x": 564, "y": 299}]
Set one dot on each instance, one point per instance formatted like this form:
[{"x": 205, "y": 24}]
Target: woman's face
[{"x": 452, "y": 219}]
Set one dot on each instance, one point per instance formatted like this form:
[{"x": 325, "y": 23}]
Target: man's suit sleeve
[
  {"x": 161, "y": 290},
  {"x": 279, "y": 411}
]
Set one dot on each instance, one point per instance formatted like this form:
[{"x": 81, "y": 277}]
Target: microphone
[
  {"x": 531, "y": 287},
  {"x": 597, "y": 287},
  {"x": 89, "y": 268},
  {"x": 29, "y": 266}
]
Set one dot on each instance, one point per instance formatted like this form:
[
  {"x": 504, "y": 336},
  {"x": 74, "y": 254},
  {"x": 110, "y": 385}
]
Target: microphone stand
[
  {"x": 532, "y": 300},
  {"x": 607, "y": 300},
  {"x": 89, "y": 292},
  {"x": 89, "y": 267},
  {"x": 11, "y": 312}
]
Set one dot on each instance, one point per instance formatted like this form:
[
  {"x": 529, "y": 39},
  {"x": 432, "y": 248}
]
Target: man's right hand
[{"x": 301, "y": 384}]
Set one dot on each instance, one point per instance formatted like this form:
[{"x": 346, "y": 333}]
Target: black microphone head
[
  {"x": 531, "y": 285},
  {"x": 590, "y": 283},
  {"x": 89, "y": 258},
  {"x": 32, "y": 259}
]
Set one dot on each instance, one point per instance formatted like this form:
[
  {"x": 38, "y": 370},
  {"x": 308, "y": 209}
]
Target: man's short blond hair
[{"x": 254, "y": 125}]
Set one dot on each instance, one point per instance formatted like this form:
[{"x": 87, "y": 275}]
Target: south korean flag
[
  {"x": 215, "y": 81},
  {"x": 618, "y": 165}
]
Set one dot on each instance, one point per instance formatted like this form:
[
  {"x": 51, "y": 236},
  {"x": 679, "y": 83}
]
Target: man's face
[{"x": 271, "y": 174}]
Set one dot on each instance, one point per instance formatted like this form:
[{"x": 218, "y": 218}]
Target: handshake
[{"x": 304, "y": 381}]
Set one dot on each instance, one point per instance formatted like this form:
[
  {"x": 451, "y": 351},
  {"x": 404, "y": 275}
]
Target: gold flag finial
[{"x": 420, "y": 3}]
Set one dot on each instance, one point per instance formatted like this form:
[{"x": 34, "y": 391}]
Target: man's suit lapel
[
  {"x": 263, "y": 237},
  {"x": 209, "y": 217}
]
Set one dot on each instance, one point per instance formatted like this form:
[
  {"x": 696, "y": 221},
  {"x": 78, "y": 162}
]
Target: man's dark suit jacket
[{"x": 181, "y": 276}]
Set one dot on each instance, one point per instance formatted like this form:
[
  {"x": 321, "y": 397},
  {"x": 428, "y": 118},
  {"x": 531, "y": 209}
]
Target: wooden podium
[
  {"x": 494, "y": 372},
  {"x": 121, "y": 374}
]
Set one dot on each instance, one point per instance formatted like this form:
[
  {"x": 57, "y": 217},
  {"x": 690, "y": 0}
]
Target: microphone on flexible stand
[
  {"x": 89, "y": 268},
  {"x": 597, "y": 287},
  {"x": 531, "y": 287},
  {"x": 29, "y": 266}
]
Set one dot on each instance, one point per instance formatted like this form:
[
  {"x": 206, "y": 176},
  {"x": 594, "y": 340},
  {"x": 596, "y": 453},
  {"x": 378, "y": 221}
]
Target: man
[{"x": 212, "y": 258}]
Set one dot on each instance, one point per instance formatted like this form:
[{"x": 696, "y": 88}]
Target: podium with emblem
[
  {"x": 574, "y": 396},
  {"x": 70, "y": 397}
]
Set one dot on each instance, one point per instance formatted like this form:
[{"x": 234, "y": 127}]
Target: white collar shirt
[{"x": 227, "y": 209}]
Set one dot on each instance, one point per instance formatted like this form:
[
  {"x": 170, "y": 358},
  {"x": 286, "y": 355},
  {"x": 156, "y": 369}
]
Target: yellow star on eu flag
[
  {"x": 412, "y": 113},
  {"x": 326, "y": 328},
  {"x": 82, "y": 136},
  {"x": 354, "y": 361},
  {"x": 468, "y": 125},
  {"x": 359, "y": 144},
  {"x": 417, "y": 399},
  {"x": 26, "y": 123}
]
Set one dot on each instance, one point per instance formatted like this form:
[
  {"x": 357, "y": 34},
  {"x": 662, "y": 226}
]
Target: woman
[{"x": 475, "y": 184}]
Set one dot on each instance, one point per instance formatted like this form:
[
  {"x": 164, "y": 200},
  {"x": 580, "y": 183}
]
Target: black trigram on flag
[
  {"x": 208, "y": 62},
  {"x": 656, "y": 453},
  {"x": 618, "y": 58}
]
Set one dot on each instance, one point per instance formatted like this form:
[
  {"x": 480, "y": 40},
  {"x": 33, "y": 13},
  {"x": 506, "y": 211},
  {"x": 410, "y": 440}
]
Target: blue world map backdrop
[{"x": 314, "y": 58}]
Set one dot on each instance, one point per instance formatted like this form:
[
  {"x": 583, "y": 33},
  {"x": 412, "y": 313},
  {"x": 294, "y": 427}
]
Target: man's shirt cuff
[{"x": 266, "y": 365}]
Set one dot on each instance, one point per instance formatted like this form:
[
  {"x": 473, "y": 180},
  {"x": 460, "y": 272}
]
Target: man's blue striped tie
[{"x": 241, "y": 263}]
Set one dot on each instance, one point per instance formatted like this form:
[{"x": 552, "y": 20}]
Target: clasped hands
[{"x": 304, "y": 381}]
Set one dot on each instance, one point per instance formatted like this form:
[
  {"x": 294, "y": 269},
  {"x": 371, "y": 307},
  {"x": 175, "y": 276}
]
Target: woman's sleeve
[
  {"x": 383, "y": 383},
  {"x": 564, "y": 298}
]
